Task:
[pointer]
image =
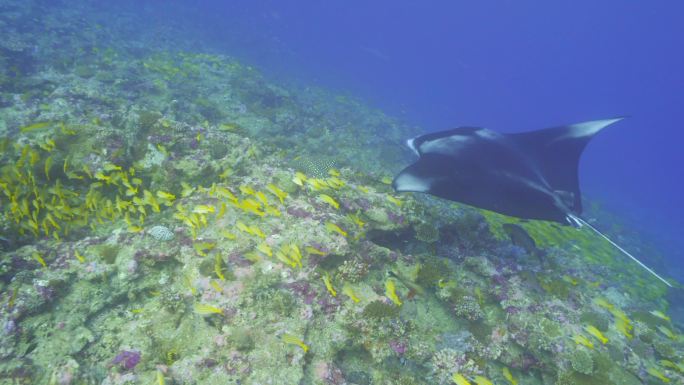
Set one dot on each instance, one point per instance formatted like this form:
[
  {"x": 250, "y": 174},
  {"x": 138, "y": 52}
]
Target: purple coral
[
  {"x": 127, "y": 359},
  {"x": 397, "y": 219},
  {"x": 303, "y": 290},
  {"x": 398, "y": 347},
  {"x": 298, "y": 212},
  {"x": 365, "y": 204}
]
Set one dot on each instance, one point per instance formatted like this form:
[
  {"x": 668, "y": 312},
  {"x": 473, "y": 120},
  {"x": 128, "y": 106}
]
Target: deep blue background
[{"x": 505, "y": 65}]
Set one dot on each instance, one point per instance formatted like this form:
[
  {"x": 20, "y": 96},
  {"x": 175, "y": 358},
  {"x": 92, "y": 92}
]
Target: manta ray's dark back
[{"x": 530, "y": 175}]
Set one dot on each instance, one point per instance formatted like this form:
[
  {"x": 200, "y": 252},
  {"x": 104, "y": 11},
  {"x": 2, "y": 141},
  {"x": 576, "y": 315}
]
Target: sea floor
[{"x": 171, "y": 216}]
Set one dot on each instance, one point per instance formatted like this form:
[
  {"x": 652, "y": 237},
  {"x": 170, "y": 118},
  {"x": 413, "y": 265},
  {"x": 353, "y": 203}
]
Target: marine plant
[{"x": 379, "y": 309}]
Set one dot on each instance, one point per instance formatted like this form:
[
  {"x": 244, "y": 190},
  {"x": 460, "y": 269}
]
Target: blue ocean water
[{"x": 505, "y": 65}]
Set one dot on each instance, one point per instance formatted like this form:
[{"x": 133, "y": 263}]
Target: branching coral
[
  {"x": 160, "y": 233},
  {"x": 446, "y": 362},
  {"x": 468, "y": 308},
  {"x": 581, "y": 361},
  {"x": 426, "y": 232}
]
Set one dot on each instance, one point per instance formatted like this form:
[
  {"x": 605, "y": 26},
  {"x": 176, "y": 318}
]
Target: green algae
[
  {"x": 242, "y": 339},
  {"x": 107, "y": 252},
  {"x": 598, "y": 320},
  {"x": 432, "y": 272},
  {"x": 379, "y": 309},
  {"x": 427, "y": 232}
]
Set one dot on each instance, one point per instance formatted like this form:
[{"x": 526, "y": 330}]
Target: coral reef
[
  {"x": 160, "y": 233},
  {"x": 173, "y": 217},
  {"x": 427, "y": 232}
]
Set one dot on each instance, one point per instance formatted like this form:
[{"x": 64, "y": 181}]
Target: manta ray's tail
[{"x": 582, "y": 222}]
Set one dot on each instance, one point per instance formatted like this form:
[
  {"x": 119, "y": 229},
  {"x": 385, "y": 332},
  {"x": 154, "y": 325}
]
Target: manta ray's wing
[
  {"x": 548, "y": 157},
  {"x": 556, "y": 152}
]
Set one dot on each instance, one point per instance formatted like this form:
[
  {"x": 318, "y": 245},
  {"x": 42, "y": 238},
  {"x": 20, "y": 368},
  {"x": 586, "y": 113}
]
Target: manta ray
[{"x": 529, "y": 175}]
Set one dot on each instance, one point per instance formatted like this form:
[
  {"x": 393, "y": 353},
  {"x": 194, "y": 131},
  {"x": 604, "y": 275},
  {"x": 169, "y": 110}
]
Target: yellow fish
[
  {"x": 266, "y": 249},
  {"x": 582, "y": 340},
  {"x": 313, "y": 250},
  {"x": 202, "y": 248},
  {"x": 79, "y": 256},
  {"x": 299, "y": 179},
  {"x": 335, "y": 182},
  {"x": 225, "y": 193},
  {"x": 246, "y": 190},
  {"x": 655, "y": 372},
  {"x": 391, "y": 292},
  {"x": 355, "y": 218},
  {"x": 203, "y": 209},
  {"x": 394, "y": 200},
  {"x": 280, "y": 255},
  {"x": 221, "y": 211},
  {"x": 672, "y": 365},
  {"x": 570, "y": 280},
  {"x": 479, "y": 380},
  {"x": 101, "y": 176},
  {"x": 257, "y": 231},
  {"x": 603, "y": 303},
  {"x": 667, "y": 332},
  {"x": 168, "y": 197},
  {"x": 187, "y": 189},
  {"x": 40, "y": 259},
  {"x": 295, "y": 254},
  {"x": 227, "y": 126},
  {"x": 160, "y": 377},
  {"x": 35, "y": 126},
  {"x": 508, "y": 376},
  {"x": 250, "y": 205},
  {"x": 272, "y": 211},
  {"x": 204, "y": 309},
  {"x": 277, "y": 192},
  {"x": 242, "y": 227},
  {"x": 225, "y": 173},
  {"x": 317, "y": 184},
  {"x": 459, "y": 379},
  {"x": 328, "y": 285},
  {"x": 596, "y": 333},
  {"x": 48, "y": 166},
  {"x": 333, "y": 228},
  {"x": 349, "y": 292},
  {"x": 659, "y": 314},
  {"x": 261, "y": 197},
  {"x": 329, "y": 200},
  {"x": 218, "y": 269},
  {"x": 290, "y": 339},
  {"x": 111, "y": 167}
]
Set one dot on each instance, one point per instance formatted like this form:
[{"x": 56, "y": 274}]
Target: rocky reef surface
[{"x": 174, "y": 217}]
